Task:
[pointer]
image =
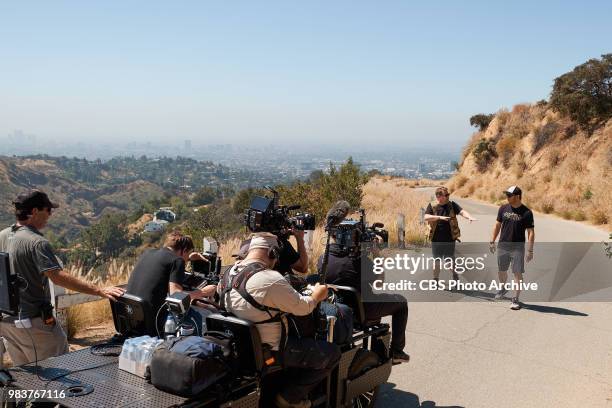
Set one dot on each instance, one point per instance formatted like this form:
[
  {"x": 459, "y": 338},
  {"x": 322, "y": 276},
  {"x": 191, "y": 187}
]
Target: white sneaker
[
  {"x": 515, "y": 305},
  {"x": 500, "y": 294}
]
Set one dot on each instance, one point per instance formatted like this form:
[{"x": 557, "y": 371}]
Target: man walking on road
[
  {"x": 444, "y": 228},
  {"x": 513, "y": 219}
]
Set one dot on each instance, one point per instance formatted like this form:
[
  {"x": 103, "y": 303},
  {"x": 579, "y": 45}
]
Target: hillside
[
  {"x": 80, "y": 204},
  {"x": 87, "y": 189},
  {"x": 561, "y": 168}
]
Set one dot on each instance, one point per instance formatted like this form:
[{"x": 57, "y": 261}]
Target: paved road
[{"x": 482, "y": 354}]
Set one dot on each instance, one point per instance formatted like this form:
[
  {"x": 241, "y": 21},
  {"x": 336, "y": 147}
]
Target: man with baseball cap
[
  {"x": 254, "y": 291},
  {"x": 34, "y": 333},
  {"x": 513, "y": 220}
]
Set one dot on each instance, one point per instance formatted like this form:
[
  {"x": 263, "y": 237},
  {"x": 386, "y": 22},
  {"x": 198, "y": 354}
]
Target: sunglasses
[{"x": 442, "y": 195}]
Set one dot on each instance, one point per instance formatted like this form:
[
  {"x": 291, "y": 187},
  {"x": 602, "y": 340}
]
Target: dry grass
[
  {"x": 93, "y": 313},
  {"x": 385, "y": 200}
]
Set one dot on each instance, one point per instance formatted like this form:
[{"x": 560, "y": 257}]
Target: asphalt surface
[{"x": 482, "y": 354}]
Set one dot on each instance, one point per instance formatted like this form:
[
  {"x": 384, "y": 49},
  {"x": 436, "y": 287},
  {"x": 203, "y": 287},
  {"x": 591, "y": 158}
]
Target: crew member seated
[
  {"x": 344, "y": 268},
  {"x": 289, "y": 259},
  {"x": 253, "y": 291},
  {"x": 160, "y": 272}
]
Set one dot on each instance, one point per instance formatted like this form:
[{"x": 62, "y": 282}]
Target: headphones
[{"x": 274, "y": 252}]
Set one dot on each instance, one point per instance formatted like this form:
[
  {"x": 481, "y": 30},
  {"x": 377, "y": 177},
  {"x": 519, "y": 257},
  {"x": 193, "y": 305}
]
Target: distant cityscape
[{"x": 279, "y": 163}]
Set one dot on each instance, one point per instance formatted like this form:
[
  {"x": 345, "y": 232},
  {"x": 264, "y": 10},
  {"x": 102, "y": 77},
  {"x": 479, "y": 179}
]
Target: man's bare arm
[
  {"x": 301, "y": 265},
  {"x": 64, "y": 279},
  {"x": 496, "y": 229},
  {"x": 467, "y": 215},
  {"x": 207, "y": 291}
]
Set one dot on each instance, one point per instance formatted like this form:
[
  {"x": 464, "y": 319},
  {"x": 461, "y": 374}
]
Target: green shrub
[
  {"x": 481, "y": 121},
  {"x": 484, "y": 153},
  {"x": 588, "y": 194},
  {"x": 585, "y": 94}
]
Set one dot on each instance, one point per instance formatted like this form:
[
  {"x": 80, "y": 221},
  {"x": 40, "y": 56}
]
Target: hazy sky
[{"x": 388, "y": 72}]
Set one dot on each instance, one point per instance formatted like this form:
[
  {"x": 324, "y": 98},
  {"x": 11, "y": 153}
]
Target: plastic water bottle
[{"x": 169, "y": 327}]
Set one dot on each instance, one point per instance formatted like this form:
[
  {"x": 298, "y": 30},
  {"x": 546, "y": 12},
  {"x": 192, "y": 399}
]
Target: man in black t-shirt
[
  {"x": 160, "y": 272},
  {"x": 442, "y": 219},
  {"x": 513, "y": 220},
  {"x": 356, "y": 271}
]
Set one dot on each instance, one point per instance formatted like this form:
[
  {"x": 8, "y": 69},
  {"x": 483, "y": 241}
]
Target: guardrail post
[
  {"x": 61, "y": 315},
  {"x": 2, "y": 350},
  {"x": 401, "y": 231}
]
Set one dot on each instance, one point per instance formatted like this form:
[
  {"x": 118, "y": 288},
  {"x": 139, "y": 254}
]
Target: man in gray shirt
[{"x": 34, "y": 333}]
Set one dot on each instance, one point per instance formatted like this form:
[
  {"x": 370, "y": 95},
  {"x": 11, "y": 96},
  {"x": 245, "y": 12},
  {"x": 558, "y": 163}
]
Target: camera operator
[
  {"x": 32, "y": 258},
  {"x": 344, "y": 268},
  {"x": 289, "y": 259},
  {"x": 160, "y": 272},
  {"x": 252, "y": 290}
]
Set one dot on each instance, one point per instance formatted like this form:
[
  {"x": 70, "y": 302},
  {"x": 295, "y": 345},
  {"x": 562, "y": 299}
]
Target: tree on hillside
[
  {"x": 481, "y": 121},
  {"x": 108, "y": 237},
  {"x": 205, "y": 195},
  {"x": 585, "y": 94}
]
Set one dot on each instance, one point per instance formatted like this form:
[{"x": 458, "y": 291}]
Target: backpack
[
  {"x": 454, "y": 224},
  {"x": 187, "y": 366},
  {"x": 238, "y": 282}
]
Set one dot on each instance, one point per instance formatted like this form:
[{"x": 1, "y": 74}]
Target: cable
[
  {"x": 195, "y": 324},
  {"x": 57, "y": 377},
  {"x": 36, "y": 366},
  {"x": 156, "y": 317}
]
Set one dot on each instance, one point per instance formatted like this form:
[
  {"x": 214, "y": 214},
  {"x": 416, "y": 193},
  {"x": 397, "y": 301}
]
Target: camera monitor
[
  {"x": 9, "y": 289},
  {"x": 132, "y": 317},
  {"x": 262, "y": 204}
]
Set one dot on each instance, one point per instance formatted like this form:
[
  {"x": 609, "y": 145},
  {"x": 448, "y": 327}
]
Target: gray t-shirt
[{"x": 30, "y": 256}]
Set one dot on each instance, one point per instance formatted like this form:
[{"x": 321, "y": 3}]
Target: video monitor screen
[{"x": 261, "y": 203}]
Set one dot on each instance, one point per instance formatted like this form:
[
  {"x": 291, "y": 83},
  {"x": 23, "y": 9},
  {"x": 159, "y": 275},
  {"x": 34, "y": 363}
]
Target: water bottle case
[{"x": 136, "y": 353}]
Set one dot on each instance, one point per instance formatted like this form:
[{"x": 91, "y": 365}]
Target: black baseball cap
[
  {"x": 513, "y": 190},
  {"x": 33, "y": 199}
]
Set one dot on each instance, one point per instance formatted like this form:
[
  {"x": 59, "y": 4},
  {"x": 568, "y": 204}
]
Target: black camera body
[
  {"x": 266, "y": 215},
  {"x": 351, "y": 235},
  {"x": 205, "y": 273}
]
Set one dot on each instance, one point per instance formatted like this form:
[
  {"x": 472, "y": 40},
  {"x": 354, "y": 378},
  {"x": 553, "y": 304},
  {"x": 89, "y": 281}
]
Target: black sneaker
[
  {"x": 400, "y": 357},
  {"x": 515, "y": 305}
]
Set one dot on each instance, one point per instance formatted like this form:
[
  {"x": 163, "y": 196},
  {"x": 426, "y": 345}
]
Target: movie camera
[
  {"x": 351, "y": 235},
  {"x": 267, "y": 215}
]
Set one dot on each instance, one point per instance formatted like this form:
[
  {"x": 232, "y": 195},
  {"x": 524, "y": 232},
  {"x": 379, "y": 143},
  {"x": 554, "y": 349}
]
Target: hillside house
[{"x": 155, "y": 226}]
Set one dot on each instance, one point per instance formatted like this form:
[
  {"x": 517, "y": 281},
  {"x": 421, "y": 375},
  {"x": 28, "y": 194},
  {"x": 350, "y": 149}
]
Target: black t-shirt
[
  {"x": 443, "y": 230},
  {"x": 288, "y": 256},
  {"x": 514, "y": 222},
  {"x": 346, "y": 270},
  {"x": 152, "y": 273}
]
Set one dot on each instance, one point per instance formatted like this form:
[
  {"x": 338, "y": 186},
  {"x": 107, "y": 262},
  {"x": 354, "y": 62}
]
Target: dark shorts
[
  {"x": 513, "y": 254},
  {"x": 443, "y": 249}
]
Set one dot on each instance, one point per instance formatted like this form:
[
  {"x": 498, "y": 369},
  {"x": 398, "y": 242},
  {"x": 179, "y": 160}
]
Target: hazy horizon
[{"x": 392, "y": 74}]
